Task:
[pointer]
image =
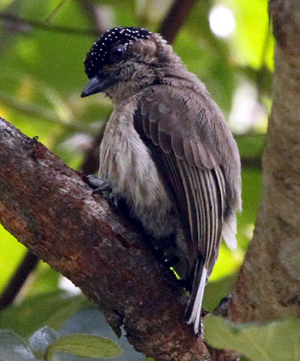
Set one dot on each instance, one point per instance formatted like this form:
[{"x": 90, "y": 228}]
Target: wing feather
[
  {"x": 178, "y": 147},
  {"x": 189, "y": 168},
  {"x": 189, "y": 193},
  {"x": 165, "y": 142},
  {"x": 153, "y": 127},
  {"x": 187, "y": 158}
]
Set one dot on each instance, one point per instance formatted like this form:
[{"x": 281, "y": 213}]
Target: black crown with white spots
[{"x": 99, "y": 53}]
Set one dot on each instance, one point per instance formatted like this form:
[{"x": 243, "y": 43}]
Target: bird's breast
[{"x": 126, "y": 163}]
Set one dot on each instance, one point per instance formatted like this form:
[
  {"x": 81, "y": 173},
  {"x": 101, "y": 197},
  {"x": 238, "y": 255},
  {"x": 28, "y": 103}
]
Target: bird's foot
[{"x": 99, "y": 186}]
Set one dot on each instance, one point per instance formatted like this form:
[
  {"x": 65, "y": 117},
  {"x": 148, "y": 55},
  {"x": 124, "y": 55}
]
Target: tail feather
[
  {"x": 229, "y": 232},
  {"x": 202, "y": 271},
  {"x": 194, "y": 307}
]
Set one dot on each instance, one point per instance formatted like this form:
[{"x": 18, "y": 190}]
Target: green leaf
[
  {"x": 51, "y": 309},
  {"x": 45, "y": 279},
  {"x": 14, "y": 348},
  {"x": 10, "y": 256},
  {"x": 216, "y": 290},
  {"x": 272, "y": 341},
  {"x": 85, "y": 345}
]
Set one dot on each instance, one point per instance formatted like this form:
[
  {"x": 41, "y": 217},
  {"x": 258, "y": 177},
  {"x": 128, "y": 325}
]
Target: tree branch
[
  {"x": 17, "y": 281},
  {"x": 49, "y": 209},
  {"x": 268, "y": 286},
  {"x": 26, "y": 24},
  {"x": 269, "y": 282},
  {"x": 175, "y": 18}
]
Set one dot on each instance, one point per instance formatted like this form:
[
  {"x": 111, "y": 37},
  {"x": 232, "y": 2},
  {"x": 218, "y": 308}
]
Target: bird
[{"x": 167, "y": 152}]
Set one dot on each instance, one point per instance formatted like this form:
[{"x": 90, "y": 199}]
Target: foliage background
[{"x": 42, "y": 76}]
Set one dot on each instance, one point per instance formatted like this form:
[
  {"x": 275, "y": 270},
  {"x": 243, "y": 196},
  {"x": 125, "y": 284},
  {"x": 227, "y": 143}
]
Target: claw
[{"x": 99, "y": 186}]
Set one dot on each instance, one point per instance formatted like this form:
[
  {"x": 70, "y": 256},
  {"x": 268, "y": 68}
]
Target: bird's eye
[{"x": 117, "y": 53}]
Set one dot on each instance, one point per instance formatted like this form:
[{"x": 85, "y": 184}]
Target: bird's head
[{"x": 124, "y": 60}]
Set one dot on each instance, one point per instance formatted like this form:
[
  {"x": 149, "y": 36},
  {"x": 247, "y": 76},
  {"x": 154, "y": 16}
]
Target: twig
[
  {"x": 44, "y": 26},
  {"x": 55, "y": 11},
  {"x": 175, "y": 18},
  {"x": 27, "y": 265}
]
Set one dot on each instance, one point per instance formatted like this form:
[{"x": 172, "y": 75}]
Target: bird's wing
[
  {"x": 187, "y": 160},
  {"x": 181, "y": 137}
]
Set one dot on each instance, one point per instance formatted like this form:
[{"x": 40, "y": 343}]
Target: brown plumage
[{"x": 167, "y": 152}]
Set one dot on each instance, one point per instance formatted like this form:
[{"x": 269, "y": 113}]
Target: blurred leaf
[
  {"x": 11, "y": 254},
  {"x": 228, "y": 262},
  {"x": 215, "y": 291},
  {"x": 251, "y": 35},
  {"x": 261, "y": 76},
  {"x": 14, "y": 348},
  {"x": 250, "y": 145},
  {"x": 34, "y": 312},
  {"x": 74, "y": 304},
  {"x": 210, "y": 65},
  {"x": 45, "y": 279},
  {"x": 276, "y": 341},
  {"x": 251, "y": 193},
  {"x": 42, "y": 339},
  {"x": 85, "y": 345}
]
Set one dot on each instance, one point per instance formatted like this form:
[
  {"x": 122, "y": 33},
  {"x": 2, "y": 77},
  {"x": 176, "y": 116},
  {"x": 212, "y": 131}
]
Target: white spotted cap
[{"x": 98, "y": 56}]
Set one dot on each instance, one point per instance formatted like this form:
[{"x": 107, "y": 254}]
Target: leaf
[
  {"x": 50, "y": 308},
  {"x": 92, "y": 321},
  {"x": 42, "y": 339},
  {"x": 216, "y": 290},
  {"x": 272, "y": 341},
  {"x": 14, "y": 348},
  {"x": 85, "y": 345},
  {"x": 10, "y": 255}
]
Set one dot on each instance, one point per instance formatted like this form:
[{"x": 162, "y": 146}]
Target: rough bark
[
  {"x": 49, "y": 209},
  {"x": 268, "y": 286},
  {"x": 269, "y": 281}
]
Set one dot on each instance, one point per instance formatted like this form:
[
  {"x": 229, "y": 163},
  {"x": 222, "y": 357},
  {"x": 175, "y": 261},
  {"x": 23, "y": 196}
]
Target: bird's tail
[
  {"x": 229, "y": 231},
  {"x": 194, "y": 307}
]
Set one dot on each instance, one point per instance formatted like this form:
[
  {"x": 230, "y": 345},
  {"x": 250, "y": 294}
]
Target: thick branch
[
  {"x": 49, "y": 209},
  {"x": 268, "y": 286},
  {"x": 269, "y": 282}
]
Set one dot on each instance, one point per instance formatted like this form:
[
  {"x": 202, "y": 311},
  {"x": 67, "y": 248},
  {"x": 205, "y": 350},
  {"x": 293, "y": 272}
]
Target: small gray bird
[{"x": 167, "y": 152}]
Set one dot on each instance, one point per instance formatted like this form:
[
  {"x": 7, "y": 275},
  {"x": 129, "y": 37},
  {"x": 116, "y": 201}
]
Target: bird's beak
[{"x": 98, "y": 84}]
